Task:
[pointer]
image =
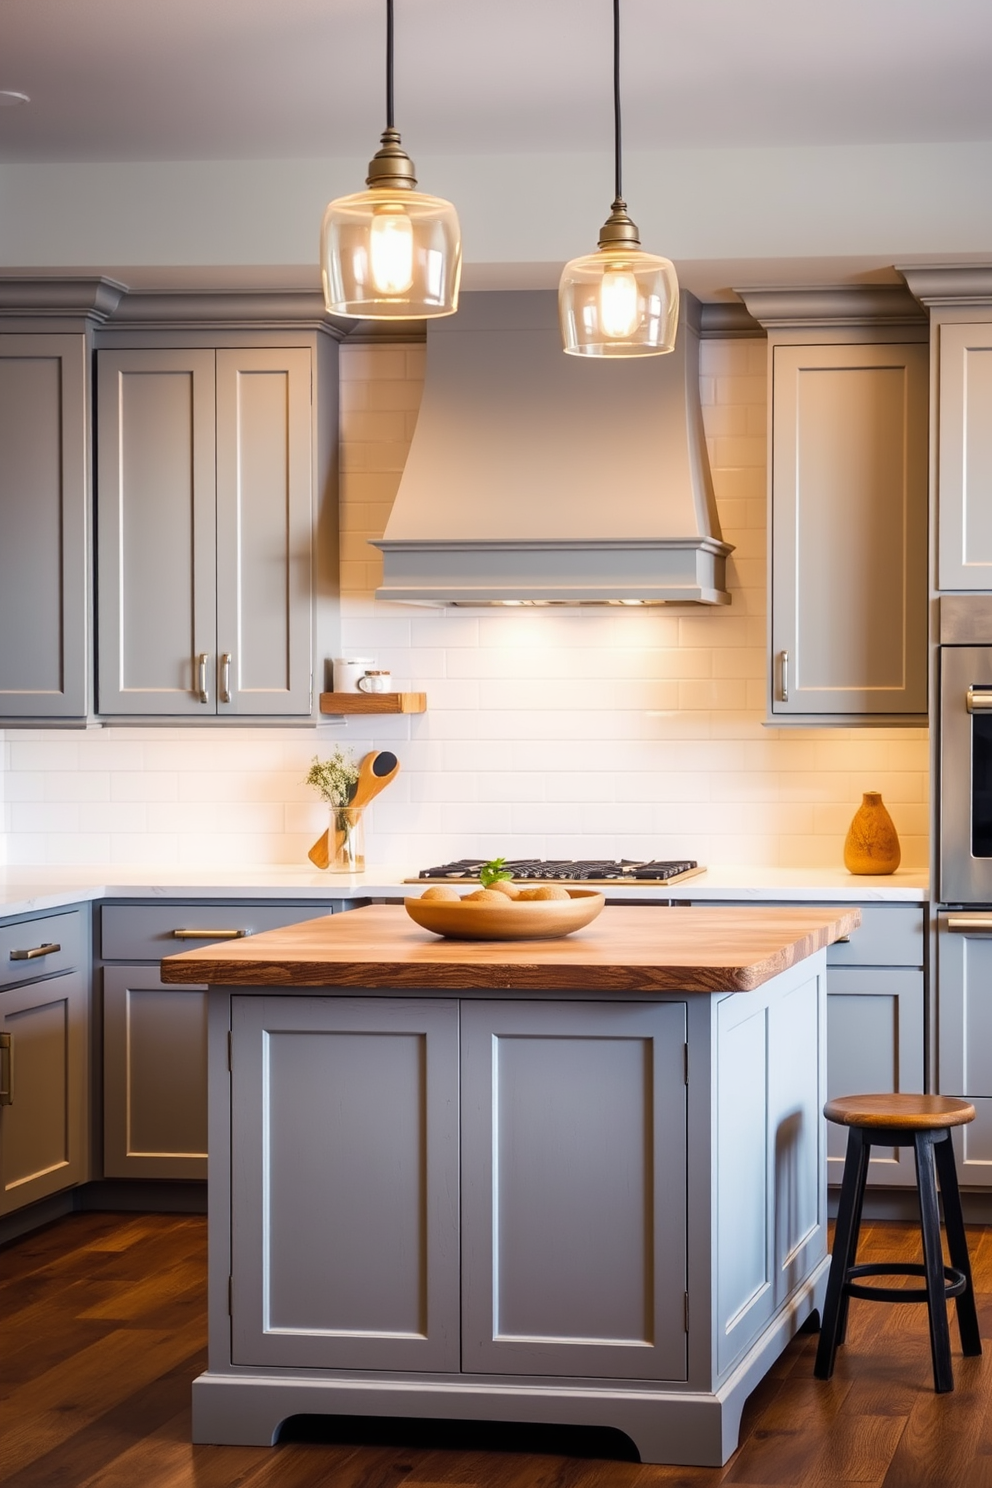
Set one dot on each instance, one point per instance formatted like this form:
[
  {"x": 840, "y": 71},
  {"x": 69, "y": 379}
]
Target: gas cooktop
[{"x": 570, "y": 870}]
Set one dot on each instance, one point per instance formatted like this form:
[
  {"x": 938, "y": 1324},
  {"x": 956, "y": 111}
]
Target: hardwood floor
[{"x": 104, "y": 1328}]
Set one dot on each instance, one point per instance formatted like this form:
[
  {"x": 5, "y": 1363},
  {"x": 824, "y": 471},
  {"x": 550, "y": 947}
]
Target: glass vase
[{"x": 346, "y": 840}]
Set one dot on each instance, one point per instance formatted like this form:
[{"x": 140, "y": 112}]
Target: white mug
[
  {"x": 348, "y": 670},
  {"x": 374, "y": 682}
]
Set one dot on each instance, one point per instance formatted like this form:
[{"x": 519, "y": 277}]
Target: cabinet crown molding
[
  {"x": 90, "y": 296},
  {"x": 832, "y": 306},
  {"x": 949, "y": 284}
]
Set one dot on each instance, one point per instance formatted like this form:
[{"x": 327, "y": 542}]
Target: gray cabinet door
[
  {"x": 43, "y": 1129},
  {"x": 874, "y": 1045},
  {"x": 156, "y": 559},
  {"x": 344, "y": 1201},
  {"x": 154, "y": 1076},
  {"x": 574, "y": 1189},
  {"x": 849, "y": 530},
  {"x": 264, "y": 525},
  {"x": 964, "y": 469},
  {"x": 964, "y": 1035},
  {"x": 44, "y": 495}
]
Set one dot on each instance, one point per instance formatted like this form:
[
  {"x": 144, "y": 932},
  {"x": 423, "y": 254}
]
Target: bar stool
[{"x": 923, "y": 1122}]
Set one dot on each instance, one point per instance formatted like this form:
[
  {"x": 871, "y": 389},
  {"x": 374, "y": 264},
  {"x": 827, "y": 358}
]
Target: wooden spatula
[{"x": 374, "y": 774}]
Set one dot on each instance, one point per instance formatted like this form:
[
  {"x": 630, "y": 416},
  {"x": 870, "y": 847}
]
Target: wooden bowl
[{"x": 533, "y": 919}]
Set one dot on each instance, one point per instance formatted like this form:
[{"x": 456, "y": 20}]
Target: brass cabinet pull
[
  {"x": 201, "y": 663},
  {"x": 48, "y": 949},
  {"x": 785, "y": 676},
  {"x": 978, "y": 700},
  {"x": 225, "y": 677},
  {"x": 972, "y": 924},
  {"x": 6, "y": 1069},
  {"x": 210, "y": 934}
]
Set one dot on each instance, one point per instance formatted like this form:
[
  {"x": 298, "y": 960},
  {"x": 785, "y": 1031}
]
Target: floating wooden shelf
[{"x": 373, "y": 702}]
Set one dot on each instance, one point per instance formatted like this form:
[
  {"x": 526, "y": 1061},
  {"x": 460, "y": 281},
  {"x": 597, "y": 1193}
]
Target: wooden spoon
[{"x": 374, "y": 774}]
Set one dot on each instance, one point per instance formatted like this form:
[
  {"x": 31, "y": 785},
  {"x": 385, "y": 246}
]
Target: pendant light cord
[
  {"x": 616, "y": 102},
  {"x": 389, "y": 64}
]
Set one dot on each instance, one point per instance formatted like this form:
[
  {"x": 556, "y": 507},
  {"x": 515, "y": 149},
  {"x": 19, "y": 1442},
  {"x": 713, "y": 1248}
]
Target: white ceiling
[{"x": 131, "y": 80}]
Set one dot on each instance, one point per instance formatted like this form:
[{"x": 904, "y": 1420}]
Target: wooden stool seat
[
  {"x": 923, "y": 1122},
  {"x": 908, "y": 1112}
]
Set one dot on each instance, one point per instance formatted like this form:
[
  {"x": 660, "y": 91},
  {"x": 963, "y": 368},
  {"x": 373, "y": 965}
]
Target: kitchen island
[{"x": 575, "y": 1181}]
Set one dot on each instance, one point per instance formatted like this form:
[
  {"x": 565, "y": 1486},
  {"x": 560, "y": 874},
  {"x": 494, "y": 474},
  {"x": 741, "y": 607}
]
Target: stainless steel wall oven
[{"x": 965, "y": 743}]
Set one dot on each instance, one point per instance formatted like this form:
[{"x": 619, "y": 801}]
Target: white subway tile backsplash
[{"x": 566, "y": 733}]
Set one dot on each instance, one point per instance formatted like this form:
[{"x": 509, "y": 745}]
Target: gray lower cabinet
[
  {"x": 347, "y": 1223},
  {"x": 875, "y": 1025},
  {"x": 562, "y": 1101},
  {"x": 205, "y": 500},
  {"x": 155, "y": 1037},
  {"x": 154, "y": 1076},
  {"x": 964, "y": 1035},
  {"x": 44, "y": 497},
  {"x": 44, "y": 1058}
]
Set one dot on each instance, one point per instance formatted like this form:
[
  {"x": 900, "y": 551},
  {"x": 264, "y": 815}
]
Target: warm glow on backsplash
[{"x": 619, "y": 730}]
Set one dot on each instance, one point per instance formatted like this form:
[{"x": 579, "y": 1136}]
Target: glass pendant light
[
  {"x": 620, "y": 301},
  {"x": 390, "y": 253}
]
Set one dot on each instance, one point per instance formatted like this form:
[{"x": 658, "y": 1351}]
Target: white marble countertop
[{"x": 26, "y": 890}]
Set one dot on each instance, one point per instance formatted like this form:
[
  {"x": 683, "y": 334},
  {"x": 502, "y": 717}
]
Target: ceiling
[{"x": 133, "y": 80}]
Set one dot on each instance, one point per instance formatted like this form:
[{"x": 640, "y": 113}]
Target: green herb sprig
[
  {"x": 493, "y": 871},
  {"x": 334, "y": 778}
]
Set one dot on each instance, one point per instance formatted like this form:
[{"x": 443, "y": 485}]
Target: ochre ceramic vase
[{"x": 872, "y": 844}]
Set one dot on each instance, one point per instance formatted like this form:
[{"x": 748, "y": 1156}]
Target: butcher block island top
[{"x": 627, "y": 949}]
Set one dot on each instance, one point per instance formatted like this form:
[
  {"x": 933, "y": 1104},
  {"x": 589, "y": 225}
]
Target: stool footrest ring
[{"x": 955, "y": 1282}]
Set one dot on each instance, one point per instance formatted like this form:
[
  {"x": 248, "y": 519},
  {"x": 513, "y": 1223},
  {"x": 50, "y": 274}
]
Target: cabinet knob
[
  {"x": 201, "y": 663},
  {"x": 784, "y": 675},
  {"x": 224, "y": 686}
]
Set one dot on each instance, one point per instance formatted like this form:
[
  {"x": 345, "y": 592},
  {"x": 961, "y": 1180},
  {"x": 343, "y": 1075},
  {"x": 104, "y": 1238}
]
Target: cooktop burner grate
[{"x": 577, "y": 870}]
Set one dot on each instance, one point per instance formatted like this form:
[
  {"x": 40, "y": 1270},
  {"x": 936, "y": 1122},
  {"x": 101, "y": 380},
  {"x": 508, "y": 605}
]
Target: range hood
[{"x": 539, "y": 478}]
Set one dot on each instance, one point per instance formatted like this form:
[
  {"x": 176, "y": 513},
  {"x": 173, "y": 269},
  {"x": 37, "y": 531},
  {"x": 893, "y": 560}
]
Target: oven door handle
[
  {"x": 970, "y": 924},
  {"x": 978, "y": 700}
]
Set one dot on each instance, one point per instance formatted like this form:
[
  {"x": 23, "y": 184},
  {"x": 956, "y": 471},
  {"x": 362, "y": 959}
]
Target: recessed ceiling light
[{"x": 10, "y": 99}]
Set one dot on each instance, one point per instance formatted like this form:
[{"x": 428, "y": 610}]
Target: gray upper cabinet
[
  {"x": 848, "y": 505},
  {"x": 959, "y": 299},
  {"x": 44, "y": 495},
  {"x": 204, "y": 522},
  {"x": 964, "y": 471}
]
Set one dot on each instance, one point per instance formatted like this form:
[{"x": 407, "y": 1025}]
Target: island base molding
[{"x": 678, "y": 1427}]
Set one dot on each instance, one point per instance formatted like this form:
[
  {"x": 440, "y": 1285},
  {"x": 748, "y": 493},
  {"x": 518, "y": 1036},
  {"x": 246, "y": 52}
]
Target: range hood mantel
[{"x": 534, "y": 477}]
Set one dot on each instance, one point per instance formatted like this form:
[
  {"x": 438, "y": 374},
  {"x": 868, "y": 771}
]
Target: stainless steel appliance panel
[{"x": 966, "y": 774}]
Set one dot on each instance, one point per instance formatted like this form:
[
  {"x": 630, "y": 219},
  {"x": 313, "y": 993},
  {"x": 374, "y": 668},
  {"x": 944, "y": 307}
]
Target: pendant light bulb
[
  {"x": 391, "y": 250},
  {"x": 619, "y": 301},
  {"x": 390, "y": 253}
]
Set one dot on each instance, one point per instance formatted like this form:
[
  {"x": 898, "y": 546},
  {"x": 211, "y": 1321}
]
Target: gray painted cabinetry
[
  {"x": 848, "y": 390},
  {"x": 875, "y": 1024},
  {"x": 964, "y": 1023},
  {"x": 44, "y": 1057},
  {"x": 155, "y": 1037},
  {"x": 44, "y": 526},
  {"x": 548, "y": 1207},
  {"x": 205, "y": 516}
]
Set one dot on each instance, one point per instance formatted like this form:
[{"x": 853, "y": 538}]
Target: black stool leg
[
  {"x": 933, "y": 1262},
  {"x": 957, "y": 1244},
  {"x": 859, "y": 1203},
  {"x": 845, "y": 1248}
]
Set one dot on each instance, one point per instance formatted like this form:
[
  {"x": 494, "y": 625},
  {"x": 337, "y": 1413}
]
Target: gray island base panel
[{"x": 564, "y": 1207}]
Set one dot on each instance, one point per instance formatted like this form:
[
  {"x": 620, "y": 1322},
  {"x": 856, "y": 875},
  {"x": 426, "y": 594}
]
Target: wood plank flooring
[{"x": 104, "y": 1328}]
